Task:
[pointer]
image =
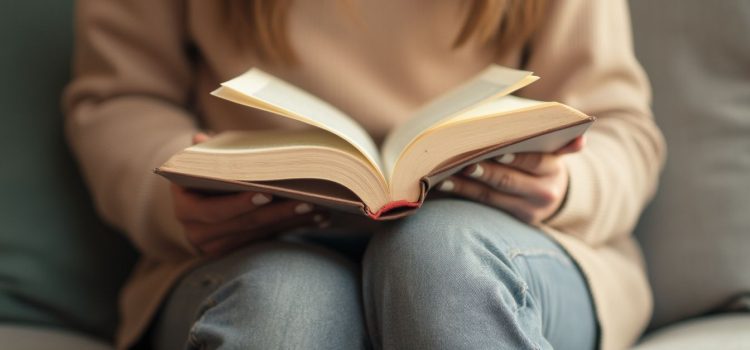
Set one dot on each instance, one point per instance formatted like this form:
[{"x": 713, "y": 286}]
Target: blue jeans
[{"x": 457, "y": 275}]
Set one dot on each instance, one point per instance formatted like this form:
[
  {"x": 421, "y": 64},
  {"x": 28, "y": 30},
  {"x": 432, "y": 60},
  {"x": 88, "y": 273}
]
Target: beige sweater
[{"x": 143, "y": 70}]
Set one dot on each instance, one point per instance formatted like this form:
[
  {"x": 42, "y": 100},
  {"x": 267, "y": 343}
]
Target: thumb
[{"x": 200, "y": 137}]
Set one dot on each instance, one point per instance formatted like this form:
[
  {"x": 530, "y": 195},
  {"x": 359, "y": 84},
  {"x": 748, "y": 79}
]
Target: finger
[
  {"x": 193, "y": 207},
  {"x": 479, "y": 192},
  {"x": 239, "y": 239},
  {"x": 573, "y": 146},
  {"x": 200, "y": 137},
  {"x": 512, "y": 181},
  {"x": 533, "y": 162},
  {"x": 258, "y": 219}
]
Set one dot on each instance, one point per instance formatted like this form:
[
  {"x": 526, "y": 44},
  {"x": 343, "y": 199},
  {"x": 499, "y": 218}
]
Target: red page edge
[{"x": 393, "y": 205}]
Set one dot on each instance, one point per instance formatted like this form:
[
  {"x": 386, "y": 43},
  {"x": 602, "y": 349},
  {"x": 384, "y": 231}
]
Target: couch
[{"x": 60, "y": 266}]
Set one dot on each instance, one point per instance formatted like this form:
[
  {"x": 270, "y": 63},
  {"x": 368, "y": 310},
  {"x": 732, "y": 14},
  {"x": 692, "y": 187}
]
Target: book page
[
  {"x": 501, "y": 105},
  {"x": 258, "y": 89},
  {"x": 491, "y": 83},
  {"x": 258, "y": 141}
]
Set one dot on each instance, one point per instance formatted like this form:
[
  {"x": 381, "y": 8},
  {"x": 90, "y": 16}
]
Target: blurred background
[{"x": 60, "y": 267}]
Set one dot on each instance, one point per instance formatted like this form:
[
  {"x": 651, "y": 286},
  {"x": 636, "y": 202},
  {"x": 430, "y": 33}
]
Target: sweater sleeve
[
  {"x": 126, "y": 114},
  {"x": 585, "y": 59}
]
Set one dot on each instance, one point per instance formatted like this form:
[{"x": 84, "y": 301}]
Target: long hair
[{"x": 501, "y": 23}]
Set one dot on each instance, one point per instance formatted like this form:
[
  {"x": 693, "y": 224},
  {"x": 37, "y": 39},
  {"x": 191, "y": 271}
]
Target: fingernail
[
  {"x": 261, "y": 199},
  {"x": 303, "y": 208},
  {"x": 318, "y": 218},
  {"x": 477, "y": 172},
  {"x": 506, "y": 158},
  {"x": 446, "y": 186}
]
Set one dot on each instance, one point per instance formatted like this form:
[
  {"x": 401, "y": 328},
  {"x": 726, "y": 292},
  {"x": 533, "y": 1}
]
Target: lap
[{"x": 446, "y": 246}]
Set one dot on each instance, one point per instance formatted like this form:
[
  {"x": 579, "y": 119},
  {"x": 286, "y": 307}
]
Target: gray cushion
[
  {"x": 28, "y": 338},
  {"x": 59, "y": 265},
  {"x": 725, "y": 332},
  {"x": 696, "y": 234}
]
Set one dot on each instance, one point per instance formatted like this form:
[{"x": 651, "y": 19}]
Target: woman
[{"x": 533, "y": 251}]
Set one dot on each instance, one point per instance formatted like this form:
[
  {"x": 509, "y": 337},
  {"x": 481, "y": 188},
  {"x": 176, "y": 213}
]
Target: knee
[
  {"x": 280, "y": 286},
  {"x": 444, "y": 230},
  {"x": 288, "y": 273},
  {"x": 268, "y": 281},
  {"x": 448, "y": 243},
  {"x": 452, "y": 260}
]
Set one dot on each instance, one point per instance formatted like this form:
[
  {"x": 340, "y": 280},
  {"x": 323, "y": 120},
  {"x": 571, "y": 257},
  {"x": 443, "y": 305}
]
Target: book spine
[{"x": 383, "y": 213}]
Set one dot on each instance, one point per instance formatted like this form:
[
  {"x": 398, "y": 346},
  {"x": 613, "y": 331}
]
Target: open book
[{"x": 337, "y": 164}]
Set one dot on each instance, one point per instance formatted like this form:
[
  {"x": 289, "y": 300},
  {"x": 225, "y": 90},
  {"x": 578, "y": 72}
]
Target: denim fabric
[{"x": 457, "y": 275}]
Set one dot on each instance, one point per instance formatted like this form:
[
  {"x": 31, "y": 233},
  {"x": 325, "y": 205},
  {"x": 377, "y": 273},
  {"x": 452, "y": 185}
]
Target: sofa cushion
[
  {"x": 696, "y": 233},
  {"x": 59, "y": 265},
  {"x": 726, "y": 332}
]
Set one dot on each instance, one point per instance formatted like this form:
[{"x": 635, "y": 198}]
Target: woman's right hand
[{"x": 216, "y": 224}]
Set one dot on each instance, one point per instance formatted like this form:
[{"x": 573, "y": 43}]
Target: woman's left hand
[{"x": 529, "y": 186}]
